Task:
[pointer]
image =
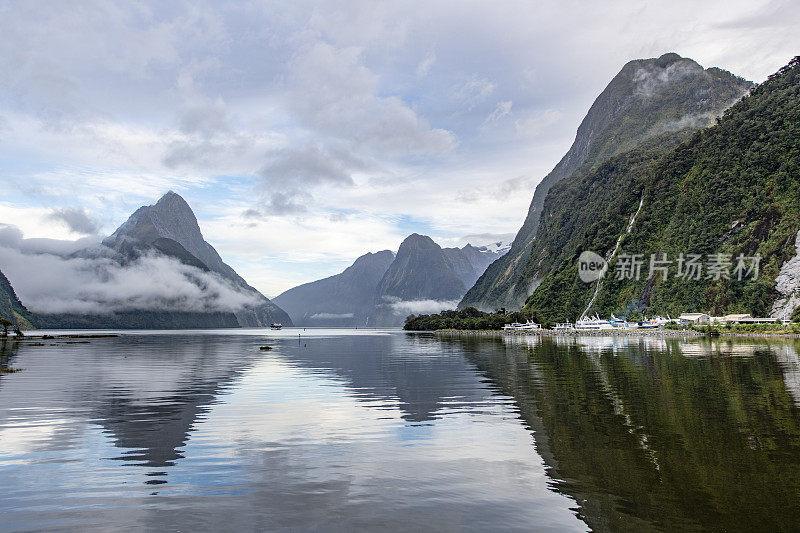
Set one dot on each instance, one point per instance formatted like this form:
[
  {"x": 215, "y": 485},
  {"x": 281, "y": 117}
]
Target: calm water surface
[{"x": 383, "y": 430}]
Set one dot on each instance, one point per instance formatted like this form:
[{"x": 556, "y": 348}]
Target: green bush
[{"x": 465, "y": 319}]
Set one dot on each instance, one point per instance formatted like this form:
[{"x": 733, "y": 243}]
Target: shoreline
[{"x": 612, "y": 333}]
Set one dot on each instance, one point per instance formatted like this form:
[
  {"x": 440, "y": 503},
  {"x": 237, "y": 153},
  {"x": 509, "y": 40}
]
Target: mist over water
[{"x": 366, "y": 430}]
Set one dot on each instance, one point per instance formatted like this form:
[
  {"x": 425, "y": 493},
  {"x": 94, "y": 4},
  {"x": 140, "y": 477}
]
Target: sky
[{"x": 305, "y": 134}]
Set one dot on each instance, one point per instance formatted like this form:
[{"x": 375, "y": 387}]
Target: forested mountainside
[
  {"x": 10, "y": 306},
  {"x": 659, "y": 102},
  {"x": 731, "y": 191}
]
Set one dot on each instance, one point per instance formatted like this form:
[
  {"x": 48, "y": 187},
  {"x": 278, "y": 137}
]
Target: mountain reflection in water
[{"x": 364, "y": 430}]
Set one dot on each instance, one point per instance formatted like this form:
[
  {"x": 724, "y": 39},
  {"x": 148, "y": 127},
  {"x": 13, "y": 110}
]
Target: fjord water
[{"x": 366, "y": 430}]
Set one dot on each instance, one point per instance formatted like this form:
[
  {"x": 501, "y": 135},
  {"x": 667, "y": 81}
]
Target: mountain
[
  {"x": 656, "y": 102},
  {"x": 731, "y": 190},
  {"x": 11, "y": 307},
  {"x": 169, "y": 228},
  {"x": 381, "y": 289},
  {"x": 421, "y": 270},
  {"x": 346, "y": 299}
]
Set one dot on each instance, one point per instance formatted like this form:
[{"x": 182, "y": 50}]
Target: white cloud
[
  {"x": 421, "y": 307},
  {"x": 424, "y": 66},
  {"x": 502, "y": 109},
  {"x": 50, "y": 283},
  {"x": 331, "y": 316},
  {"x": 474, "y": 91}
]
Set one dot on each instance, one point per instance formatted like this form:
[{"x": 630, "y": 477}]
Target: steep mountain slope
[
  {"x": 377, "y": 288},
  {"x": 421, "y": 270},
  {"x": 732, "y": 189},
  {"x": 170, "y": 218},
  {"x": 346, "y": 299},
  {"x": 10, "y": 306},
  {"x": 169, "y": 228},
  {"x": 658, "y": 101}
]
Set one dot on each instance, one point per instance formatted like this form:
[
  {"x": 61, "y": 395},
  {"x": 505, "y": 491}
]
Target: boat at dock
[
  {"x": 593, "y": 324},
  {"x": 527, "y": 326}
]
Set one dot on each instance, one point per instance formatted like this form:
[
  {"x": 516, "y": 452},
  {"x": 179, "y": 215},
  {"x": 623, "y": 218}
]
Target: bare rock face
[{"x": 788, "y": 286}]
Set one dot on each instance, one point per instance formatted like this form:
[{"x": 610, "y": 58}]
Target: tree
[{"x": 5, "y": 323}]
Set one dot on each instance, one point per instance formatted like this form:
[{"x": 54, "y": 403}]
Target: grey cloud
[
  {"x": 310, "y": 165},
  {"x": 291, "y": 173},
  {"x": 286, "y": 203},
  {"x": 207, "y": 119},
  {"x": 332, "y": 91},
  {"x": 208, "y": 137},
  {"x": 12, "y": 237},
  {"x": 513, "y": 185},
  {"x": 77, "y": 220}
]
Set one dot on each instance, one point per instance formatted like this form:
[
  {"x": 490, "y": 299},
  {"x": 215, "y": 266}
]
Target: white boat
[
  {"x": 593, "y": 324},
  {"x": 527, "y": 326},
  {"x": 565, "y": 326},
  {"x": 276, "y": 325}
]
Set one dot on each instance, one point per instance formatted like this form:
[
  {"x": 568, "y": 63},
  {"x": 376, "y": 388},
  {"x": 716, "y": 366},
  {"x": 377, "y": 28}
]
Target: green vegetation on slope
[
  {"x": 650, "y": 101},
  {"x": 467, "y": 319},
  {"x": 10, "y": 306},
  {"x": 733, "y": 188}
]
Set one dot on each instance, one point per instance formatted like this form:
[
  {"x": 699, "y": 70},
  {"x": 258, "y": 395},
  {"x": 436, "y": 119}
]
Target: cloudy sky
[{"x": 306, "y": 134}]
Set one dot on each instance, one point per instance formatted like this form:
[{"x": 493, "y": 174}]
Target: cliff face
[
  {"x": 11, "y": 307},
  {"x": 731, "y": 190},
  {"x": 659, "y": 101}
]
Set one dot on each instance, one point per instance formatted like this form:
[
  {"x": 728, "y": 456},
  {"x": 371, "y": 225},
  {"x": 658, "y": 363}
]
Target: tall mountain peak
[
  {"x": 655, "y": 101},
  {"x": 170, "y": 227}
]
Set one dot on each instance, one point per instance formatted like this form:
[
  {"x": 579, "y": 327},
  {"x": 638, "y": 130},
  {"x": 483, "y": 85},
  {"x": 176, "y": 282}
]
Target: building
[{"x": 691, "y": 319}]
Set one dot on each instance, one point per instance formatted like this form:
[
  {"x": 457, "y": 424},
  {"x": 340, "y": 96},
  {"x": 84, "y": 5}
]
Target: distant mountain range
[{"x": 381, "y": 289}]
